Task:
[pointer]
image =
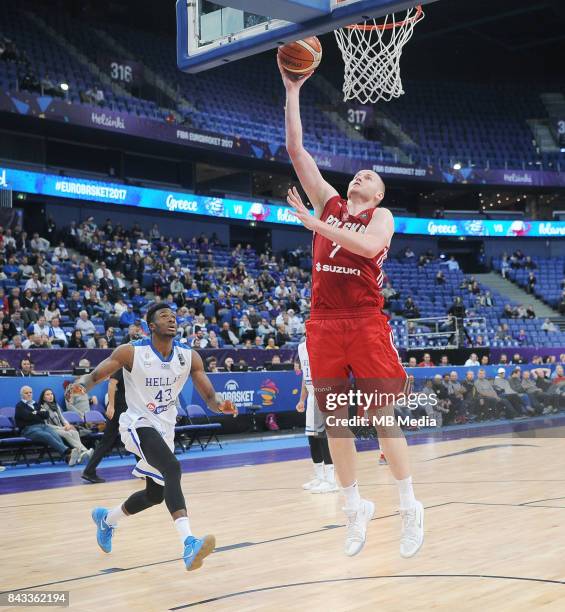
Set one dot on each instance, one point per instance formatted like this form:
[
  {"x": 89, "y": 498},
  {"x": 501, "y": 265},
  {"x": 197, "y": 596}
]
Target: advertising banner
[{"x": 46, "y": 107}]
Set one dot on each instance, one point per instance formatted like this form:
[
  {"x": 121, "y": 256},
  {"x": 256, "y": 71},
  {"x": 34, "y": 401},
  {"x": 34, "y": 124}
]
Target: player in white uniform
[
  {"x": 155, "y": 371},
  {"x": 324, "y": 474}
]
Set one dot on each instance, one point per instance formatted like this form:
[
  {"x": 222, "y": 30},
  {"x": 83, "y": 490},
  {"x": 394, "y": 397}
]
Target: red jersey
[{"x": 345, "y": 284}]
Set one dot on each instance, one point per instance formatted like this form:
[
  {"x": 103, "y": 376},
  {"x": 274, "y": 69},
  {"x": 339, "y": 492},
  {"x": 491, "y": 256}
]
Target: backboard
[{"x": 211, "y": 34}]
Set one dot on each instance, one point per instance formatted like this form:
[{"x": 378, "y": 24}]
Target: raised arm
[
  {"x": 377, "y": 236},
  {"x": 318, "y": 190},
  {"x": 122, "y": 357},
  {"x": 204, "y": 387}
]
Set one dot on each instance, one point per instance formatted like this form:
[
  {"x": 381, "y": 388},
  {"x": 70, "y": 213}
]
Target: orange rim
[{"x": 389, "y": 26}]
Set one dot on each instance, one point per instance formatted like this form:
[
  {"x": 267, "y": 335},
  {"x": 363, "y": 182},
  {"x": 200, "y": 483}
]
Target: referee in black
[{"x": 116, "y": 405}]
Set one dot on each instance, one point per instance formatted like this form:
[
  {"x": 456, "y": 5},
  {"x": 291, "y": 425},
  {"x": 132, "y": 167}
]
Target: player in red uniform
[{"x": 348, "y": 334}]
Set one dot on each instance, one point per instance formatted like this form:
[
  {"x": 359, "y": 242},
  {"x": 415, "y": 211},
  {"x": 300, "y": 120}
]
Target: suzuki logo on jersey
[{"x": 337, "y": 269}]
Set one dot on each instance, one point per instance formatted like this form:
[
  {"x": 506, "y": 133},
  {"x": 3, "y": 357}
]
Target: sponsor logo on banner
[
  {"x": 442, "y": 228},
  {"x": 551, "y": 229},
  {"x": 3, "y": 181},
  {"x": 284, "y": 215},
  {"x": 268, "y": 392},
  {"x": 520, "y": 178},
  {"x": 475, "y": 228},
  {"x": 215, "y": 207},
  {"x": 258, "y": 212},
  {"x": 518, "y": 228},
  {"x": 94, "y": 190},
  {"x": 184, "y": 205},
  {"x": 242, "y": 398},
  {"x": 108, "y": 121}
]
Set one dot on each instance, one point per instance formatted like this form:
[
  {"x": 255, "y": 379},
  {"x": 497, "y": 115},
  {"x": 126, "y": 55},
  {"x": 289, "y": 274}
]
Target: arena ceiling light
[
  {"x": 457, "y": 166},
  {"x": 64, "y": 86}
]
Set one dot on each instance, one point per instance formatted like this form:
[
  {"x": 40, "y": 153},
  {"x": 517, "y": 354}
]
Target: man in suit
[{"x": 30, "y": 419}]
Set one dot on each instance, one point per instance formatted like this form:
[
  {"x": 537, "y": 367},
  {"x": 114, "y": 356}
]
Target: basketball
[{"x": 301, "y": 57}]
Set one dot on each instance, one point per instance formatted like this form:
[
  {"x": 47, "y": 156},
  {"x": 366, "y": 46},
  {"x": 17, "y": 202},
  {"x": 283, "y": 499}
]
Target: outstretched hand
[
  {"x": 292, "y": 82},
  {"x": 75, "y": 388},
  {"x": 300, "y": 211},
  {"x": 228, "y": 407}
]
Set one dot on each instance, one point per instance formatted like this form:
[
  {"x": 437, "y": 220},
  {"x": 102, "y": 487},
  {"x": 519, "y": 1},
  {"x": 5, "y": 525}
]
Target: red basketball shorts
[{"x": 356, "y": 357}]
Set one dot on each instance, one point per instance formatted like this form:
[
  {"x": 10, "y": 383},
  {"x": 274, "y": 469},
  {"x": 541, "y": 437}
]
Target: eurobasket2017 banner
[
  {"x": 182, "y": 202},
  {"x": 56, "y": 109}
]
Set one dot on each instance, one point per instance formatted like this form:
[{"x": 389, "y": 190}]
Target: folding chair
[{"x": 200, "y": 419}]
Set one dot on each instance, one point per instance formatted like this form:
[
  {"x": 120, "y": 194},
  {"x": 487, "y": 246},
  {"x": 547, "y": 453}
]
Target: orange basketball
[{"x": 301, "y": 57}]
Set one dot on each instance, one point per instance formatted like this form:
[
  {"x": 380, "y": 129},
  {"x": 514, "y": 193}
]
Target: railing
[{"x": 451, "y": 328}]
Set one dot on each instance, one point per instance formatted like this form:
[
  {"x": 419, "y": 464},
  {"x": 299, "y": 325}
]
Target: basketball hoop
[{"x": 371, "y": 52}]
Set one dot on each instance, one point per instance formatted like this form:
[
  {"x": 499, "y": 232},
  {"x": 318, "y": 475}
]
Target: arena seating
[
  {"x": 481, "y": 125},
  {"x": 221, "y": 298},
  {"x": 549, "y": 274}
]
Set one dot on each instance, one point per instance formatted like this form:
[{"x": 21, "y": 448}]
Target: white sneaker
[
  {"x": 312, "y": 483},
  {"x": 325, "y": 486},
  {"x": 75, "y": 456},
  {"x": 412, "y": 536},
  {"x": 357, "y": 522}
]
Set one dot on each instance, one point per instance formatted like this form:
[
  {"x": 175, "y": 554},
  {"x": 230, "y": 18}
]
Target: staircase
[
  {"x": 509, "y": 290},
  {"x": 169, "y": 91},
  {"x": 329, "y": 91},
  {"x": 335, "y": 97},
  {"x": 554, "y": 104},
  {"x": 74, "y": 52},
  {"x": 543, "y": 135}
]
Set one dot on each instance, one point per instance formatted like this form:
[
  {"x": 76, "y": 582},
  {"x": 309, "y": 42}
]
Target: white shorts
[
  {"x": 130, "y": 438},
  {"x": 315, "y": 423}
]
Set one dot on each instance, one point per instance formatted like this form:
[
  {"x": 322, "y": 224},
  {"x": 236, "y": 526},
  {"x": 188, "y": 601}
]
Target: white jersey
[
  {"x": 305, "y": 367},
  {"x": 154, "y": 384}
]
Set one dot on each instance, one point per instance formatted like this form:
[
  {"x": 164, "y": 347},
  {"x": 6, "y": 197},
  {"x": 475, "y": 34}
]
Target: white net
[{"x": 371, "y": 52}]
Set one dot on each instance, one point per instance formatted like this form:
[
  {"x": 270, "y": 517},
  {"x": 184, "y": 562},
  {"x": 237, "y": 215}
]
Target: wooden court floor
[{"x": 495, "y": 538}]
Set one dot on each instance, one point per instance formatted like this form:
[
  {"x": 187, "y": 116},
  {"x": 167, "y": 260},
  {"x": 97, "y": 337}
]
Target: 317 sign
[{"x": 359, "y": 116}]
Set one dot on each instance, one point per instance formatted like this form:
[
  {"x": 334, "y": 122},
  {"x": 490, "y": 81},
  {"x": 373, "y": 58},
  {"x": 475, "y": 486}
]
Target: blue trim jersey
[
  {"x": 154, "y": 384},
  {"x": 305, "y": 367}
]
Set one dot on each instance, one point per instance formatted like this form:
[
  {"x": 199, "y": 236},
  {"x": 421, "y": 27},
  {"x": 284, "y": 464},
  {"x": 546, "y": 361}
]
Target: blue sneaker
[
  {"x": 196, "y": 550},
  {"x": 104, "y": 532}
]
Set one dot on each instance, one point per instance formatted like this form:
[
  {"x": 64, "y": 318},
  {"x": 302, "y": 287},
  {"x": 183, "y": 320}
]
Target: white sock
[
  {"x": 115, "y": 515},
  {"x": 182, "y": 525},
  {"x": 319, "y": 471},
  {"x": 352, "y": 497},
  {"x": 329, "y": 473},
  {"x": 406, "y": 492}
]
